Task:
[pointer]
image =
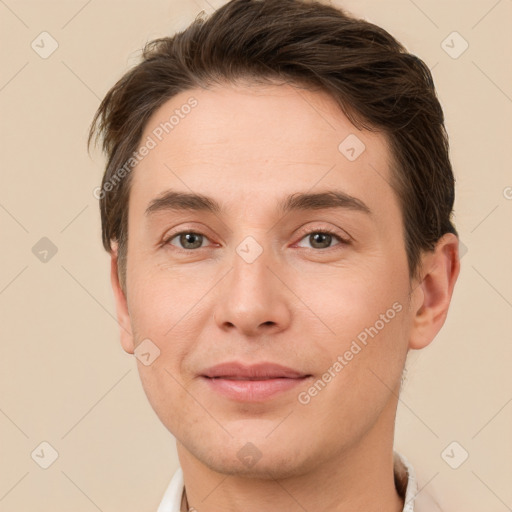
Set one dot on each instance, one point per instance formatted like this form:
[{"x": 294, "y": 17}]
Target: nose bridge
[{"x": 250, "y": 275}]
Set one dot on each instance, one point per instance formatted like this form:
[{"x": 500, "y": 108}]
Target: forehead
[{"x": 253, "y": 141}]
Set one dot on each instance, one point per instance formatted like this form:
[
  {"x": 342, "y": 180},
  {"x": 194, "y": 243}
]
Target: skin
[{"x": 298, "y": 305}]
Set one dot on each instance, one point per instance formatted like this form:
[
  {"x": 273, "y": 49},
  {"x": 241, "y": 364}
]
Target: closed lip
[
  {"x": 252, "y": 382},
  {"x": 260, "y": 371}
]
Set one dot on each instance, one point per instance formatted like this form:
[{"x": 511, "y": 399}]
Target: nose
[{"x": 251, "y": 300}]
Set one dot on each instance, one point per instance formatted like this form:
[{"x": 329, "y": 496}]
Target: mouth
[{"x": 252, "y": 383}]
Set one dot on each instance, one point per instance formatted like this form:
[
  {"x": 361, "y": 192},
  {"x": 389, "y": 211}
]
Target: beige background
[{"x": 64, "y": 378}]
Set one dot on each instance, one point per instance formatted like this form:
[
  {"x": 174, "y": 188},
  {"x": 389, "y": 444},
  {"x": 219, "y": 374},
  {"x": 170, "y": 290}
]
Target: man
[{"x": 277, "y": 205}]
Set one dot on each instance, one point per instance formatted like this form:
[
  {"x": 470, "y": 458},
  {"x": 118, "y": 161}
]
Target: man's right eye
[{"x": 187, "y": 240}]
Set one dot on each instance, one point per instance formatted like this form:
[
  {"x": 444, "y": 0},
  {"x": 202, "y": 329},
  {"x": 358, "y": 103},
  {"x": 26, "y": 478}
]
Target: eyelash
[{"x": 324, "y": 231}]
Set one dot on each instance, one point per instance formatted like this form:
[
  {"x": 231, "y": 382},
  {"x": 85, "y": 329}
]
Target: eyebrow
[{"x": 172, "y": 200}]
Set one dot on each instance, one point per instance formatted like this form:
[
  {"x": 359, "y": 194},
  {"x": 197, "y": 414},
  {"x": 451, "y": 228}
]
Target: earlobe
[
  {"x": 440, "y": 269},
  {"x": 123, "y": 316}
]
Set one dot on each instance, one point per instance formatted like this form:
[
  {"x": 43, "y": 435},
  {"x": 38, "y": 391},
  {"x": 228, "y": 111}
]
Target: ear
[
  {"x": 433, "y": 292},
  {"x": 123, "y": 316}
]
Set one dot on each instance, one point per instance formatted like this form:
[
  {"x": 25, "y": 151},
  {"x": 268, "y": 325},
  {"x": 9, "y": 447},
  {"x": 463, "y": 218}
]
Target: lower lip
[{"x": 252, "y": 390}]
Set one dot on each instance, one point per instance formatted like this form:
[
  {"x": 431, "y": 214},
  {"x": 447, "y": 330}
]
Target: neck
[{"x": 359, "y": 478}]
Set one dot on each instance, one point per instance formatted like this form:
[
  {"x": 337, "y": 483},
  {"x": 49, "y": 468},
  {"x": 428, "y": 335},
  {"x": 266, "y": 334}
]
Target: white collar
[{"x": 171, "y": 501}]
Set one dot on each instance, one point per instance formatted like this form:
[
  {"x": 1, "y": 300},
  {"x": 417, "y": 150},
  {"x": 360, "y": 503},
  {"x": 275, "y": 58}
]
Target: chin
[{"x": 262, "y": 458}]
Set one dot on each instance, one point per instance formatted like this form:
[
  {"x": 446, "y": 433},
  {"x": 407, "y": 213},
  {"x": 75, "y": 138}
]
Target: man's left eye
[{"x": 321, "y": 239}]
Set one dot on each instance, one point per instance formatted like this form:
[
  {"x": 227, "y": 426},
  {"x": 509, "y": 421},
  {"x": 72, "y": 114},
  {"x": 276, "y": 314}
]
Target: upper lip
[{"x": 257, "y": 371}]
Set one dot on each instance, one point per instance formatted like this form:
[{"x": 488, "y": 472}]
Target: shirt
[{"x": 405, "y": 478}]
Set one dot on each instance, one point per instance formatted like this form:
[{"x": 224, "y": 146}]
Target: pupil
[
  {"x": 319, "y": 238},
  {"x": 191, "y": 239}
]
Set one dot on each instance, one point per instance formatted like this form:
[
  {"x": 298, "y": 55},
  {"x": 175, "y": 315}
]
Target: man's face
[{"x": 255, "y": 283}]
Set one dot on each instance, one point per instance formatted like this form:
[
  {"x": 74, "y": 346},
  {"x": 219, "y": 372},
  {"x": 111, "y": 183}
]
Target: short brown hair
[{"x": 375, "y": 81}]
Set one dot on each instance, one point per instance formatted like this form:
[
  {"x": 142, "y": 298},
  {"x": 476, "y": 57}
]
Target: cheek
[
  {"x": 168, "y": 308},
  {"x": 151, "y": 309},
  {"x": 162, "y": 310},
  {"x": 169, "y": 398},
  {"x": 362, "y": 371},
  {"x": 159, "y": 299},
  {"x": 369, "y": 322}
]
